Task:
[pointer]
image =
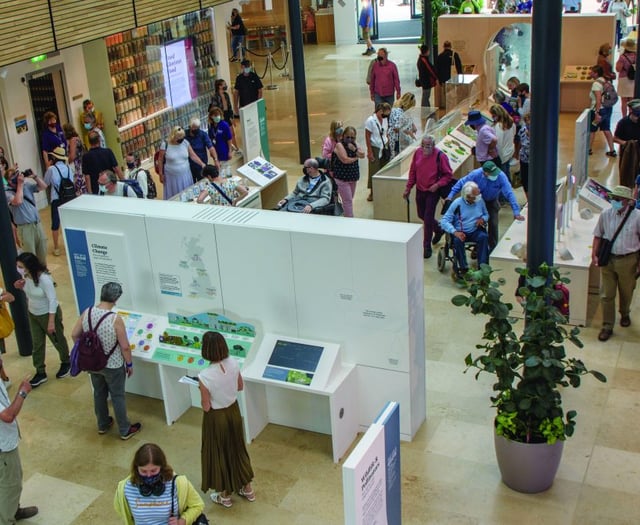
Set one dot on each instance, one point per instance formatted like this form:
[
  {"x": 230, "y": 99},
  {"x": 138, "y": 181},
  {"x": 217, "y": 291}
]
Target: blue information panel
[{"x": 293, "y": 362}]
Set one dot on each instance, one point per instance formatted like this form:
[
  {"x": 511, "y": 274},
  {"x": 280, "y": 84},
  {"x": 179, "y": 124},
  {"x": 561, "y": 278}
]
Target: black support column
[
  {"x": 545, "y": 107},
  {"x": 300, "y": 81},
  {"x": 8, "y": 256}
]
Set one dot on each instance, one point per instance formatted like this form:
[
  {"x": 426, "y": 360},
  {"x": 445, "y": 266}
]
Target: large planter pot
[{"x": 527, "y": 467}]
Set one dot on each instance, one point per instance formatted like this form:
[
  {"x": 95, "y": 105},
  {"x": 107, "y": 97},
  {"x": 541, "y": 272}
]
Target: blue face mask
[
  {"x": 149, "y": 480},
  {"x": 492, "y": 177},
  {"x": 617, "y": 205},
  {"x": 102, "y": 188}
]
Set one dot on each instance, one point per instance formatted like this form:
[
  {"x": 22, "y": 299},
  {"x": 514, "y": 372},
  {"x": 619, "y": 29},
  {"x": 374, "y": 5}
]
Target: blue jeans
[
  {"x": 110, "y": 381},
  {"x": 377, "y": 99},
  {"x": 480, "y": 237},
  {"x": 236, "y": 44}
]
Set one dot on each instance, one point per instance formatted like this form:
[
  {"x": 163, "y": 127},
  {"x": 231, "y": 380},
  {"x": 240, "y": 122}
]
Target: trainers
[
  {"x": 37, "y": 380},
  {"x": 109, "y": 425},
  {"x": 133, "y": 430},
  {"x": 65, "y": 368},
  {"x": 24, "y": 513}
]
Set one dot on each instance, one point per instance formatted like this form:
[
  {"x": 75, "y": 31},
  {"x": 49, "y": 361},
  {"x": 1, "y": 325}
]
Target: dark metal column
[
  {"x": 427, "y": 29},
  {"x": 636, "y": 84},
  {"x": 300, "y": 80},
  {"x": 546, "y": 40},
  {"x": 8, "y": 256}
]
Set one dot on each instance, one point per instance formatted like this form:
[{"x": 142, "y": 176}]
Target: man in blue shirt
[
  {"x": 201, "y": 144},
  {"x": 492, "y": 182},
  {"x": 366, "y": 25},
  {"x": 466, "y": 221}
]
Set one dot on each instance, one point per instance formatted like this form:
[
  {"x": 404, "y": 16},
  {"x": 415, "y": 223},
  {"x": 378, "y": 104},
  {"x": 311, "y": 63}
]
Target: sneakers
[
  {"x": 133, "y": 430},
  {"x": 24, "y": 513},
  {"x": 37, "y": 380},
  {"x": 611, "y": 153},
  {"x": 109, "y": 425},
  {"x": 57, "y": 252},
  {"x": 234, "y": 59},
  {"x": 368, "y": 52},
  {"x": 65, "y": 368}
]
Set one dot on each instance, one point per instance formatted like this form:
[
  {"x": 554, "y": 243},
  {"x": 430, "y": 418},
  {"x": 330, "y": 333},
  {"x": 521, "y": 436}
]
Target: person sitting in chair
[
  {"x": 313, "y": 190},
  {"x": 466, "y": 221}
]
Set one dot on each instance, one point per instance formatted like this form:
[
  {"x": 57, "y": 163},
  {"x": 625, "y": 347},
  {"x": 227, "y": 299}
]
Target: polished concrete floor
[{"x": 449, "y": 473}]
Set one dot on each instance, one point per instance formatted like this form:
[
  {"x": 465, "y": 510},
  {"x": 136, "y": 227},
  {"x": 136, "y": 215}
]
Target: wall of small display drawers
[{"x": 143, "y": 115}]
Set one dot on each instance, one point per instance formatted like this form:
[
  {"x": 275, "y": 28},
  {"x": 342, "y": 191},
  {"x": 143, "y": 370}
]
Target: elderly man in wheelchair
[
  {"x": 465, "y": 222},
  {"x": 315, "y": 192}
]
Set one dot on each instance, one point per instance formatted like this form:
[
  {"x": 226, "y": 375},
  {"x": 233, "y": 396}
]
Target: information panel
[{"x": 293, "y": 362}]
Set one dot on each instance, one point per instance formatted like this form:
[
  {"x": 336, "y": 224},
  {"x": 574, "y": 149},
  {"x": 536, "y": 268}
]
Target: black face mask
[
  {"x": 305, "y": 171},
  {"x": 156, "y": 488},
  {"x": 131, "y": 165},
  {"x": 380, "y": 59},
  {"x": 180, "y": 141}
]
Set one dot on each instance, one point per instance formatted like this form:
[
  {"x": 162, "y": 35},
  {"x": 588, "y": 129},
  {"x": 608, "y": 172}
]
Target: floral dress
[
  {"x": 228, "y": 186},
  {"x": 400, "y": 128},
  {"x": 78, "y": 178}
]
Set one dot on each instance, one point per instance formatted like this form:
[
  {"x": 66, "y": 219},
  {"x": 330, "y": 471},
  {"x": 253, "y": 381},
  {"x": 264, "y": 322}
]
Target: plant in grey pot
[{"x": 531, "y": 369}]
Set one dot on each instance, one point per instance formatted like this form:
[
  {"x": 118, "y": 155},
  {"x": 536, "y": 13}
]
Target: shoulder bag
[
  {"x": 604, "y": 250},
  {"x": 6, "y": 321},
  {"x": 386, "y": 149},
  {"x": 200, "y": 520},
  {"x": 221, "y": 192}
]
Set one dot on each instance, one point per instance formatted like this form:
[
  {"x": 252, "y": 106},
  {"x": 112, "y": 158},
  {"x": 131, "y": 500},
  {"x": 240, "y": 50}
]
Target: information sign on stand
[
  {"x": 255, "y": 137},
  {"x": 371, "y": 474},
  {"x": 594, "y": 196},
  {"x": 260, "y": 171}
]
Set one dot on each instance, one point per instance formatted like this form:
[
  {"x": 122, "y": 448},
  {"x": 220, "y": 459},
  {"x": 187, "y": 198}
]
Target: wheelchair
[{"x": 446, "y": 254}]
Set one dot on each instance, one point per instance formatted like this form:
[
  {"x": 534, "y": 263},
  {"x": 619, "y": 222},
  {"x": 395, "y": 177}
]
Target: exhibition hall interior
[{"x": 449, "y": 473}]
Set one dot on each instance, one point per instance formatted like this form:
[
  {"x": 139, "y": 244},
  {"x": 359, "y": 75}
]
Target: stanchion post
[{"x": 271, "y": 85}]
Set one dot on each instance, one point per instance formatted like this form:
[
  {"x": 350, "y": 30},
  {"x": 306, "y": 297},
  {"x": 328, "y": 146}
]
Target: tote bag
[{"x": 6, "y": 322}]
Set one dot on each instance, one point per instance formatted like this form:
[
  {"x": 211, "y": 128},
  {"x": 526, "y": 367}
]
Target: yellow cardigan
[{"x": 190, "y": 504}]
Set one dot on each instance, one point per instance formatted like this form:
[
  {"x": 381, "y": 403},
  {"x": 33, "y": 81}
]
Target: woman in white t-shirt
[
  {"x": 376, "y": 135},
  {"x": 226, "y": 467},
  {"x": 45, "y": 315},
  {"x": 600, "y": 115},
  {"x": 505, "y": 132}
]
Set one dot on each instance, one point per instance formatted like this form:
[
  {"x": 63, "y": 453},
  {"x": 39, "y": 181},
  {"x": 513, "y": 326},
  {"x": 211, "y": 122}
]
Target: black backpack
[
  {"x": 152, "y": 191},
  {"x": 66, "y": 190}
]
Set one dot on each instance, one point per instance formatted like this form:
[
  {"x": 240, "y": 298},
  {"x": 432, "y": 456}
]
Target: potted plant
[{"x": 531, "y": 369}]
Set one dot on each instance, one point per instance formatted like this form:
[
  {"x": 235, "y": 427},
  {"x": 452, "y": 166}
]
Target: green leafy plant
[{"x": 530, "y": 367}]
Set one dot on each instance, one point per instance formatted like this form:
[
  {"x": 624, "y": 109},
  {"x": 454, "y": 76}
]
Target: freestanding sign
[{"x": 255, "y": 136}]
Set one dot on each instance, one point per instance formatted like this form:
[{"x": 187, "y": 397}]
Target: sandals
[
  {"x": 216, "y": 497},
  {"x": 250, "y": 495}
]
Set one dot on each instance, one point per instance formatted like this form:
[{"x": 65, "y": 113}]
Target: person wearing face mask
[
  {"x": 89, "y": 124},
  {"x": 431, "y": 172},
  {"x": 76, "y": 152},
  {"x": 136, "y": 172},
  {"x": 52, "y": 136},
  {"x": 238, "y": 32},
  {"x": 97, "y": 160},
  {"x": 600, "y": 116},
  {"x": 312, "y": 191},
  {"x": 90, "y": 115},
  {"x": 505, "y": 130},
  {"x": 220, "y": 135},
  {"x": 486, "y": 147},
  {"x": 201, "y": 143},
  {"x": 336, "y": 129},
  {"x": 20, "y": 194},
  {"x": 174, "y": 157},
  {"x": 627, "y": 135},
  {"x": 222, "y": 100},
  {"x": 346, "y": 168},
  {"x": 620, "y": 224},
  {"x": 45, "y": 315},
  {"x": 376, "y": 136},
  {"x": 248, "y": 87},
  {"x": 384, "y": 80},
  {"x": 153, "y": 494},
  {"x": 492, "y": 182},
  {"x": 466, "y": 221},
  {"x": 427, "y": 75}
]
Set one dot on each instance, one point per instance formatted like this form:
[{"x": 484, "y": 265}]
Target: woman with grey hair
[
  {"x": 115, "y": 344},
  {"x": 173, "y": 161}
]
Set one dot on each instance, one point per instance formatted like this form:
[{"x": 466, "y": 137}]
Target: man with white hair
[
  {"x": 201, "y": 144},
  {"x": 466, "y": 221}
]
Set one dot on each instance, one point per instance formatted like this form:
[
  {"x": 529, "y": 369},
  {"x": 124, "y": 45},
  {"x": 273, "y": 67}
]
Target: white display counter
[
  {"x": 577, "y": 239},
  {"x": 307, "y": 276}
]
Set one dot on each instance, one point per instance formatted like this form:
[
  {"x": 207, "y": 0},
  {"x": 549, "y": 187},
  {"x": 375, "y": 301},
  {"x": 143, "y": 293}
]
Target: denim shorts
[{"x": 605, "y": 120}]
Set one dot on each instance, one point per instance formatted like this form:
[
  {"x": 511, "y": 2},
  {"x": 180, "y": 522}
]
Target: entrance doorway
[
  {"x": 395, "y": 21},
  {"x": 47, "y": 93}
]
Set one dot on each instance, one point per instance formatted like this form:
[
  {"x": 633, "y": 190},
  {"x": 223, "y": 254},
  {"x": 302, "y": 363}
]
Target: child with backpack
[{"x": 603, "y": 97}]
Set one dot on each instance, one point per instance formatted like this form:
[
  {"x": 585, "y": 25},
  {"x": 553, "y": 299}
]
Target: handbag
[
  {"x": 385, "y": 156},
  {"x": 604, "y": 249},
  {"x": 200, "y": 520},
  {"x": 6, "y": 322}
]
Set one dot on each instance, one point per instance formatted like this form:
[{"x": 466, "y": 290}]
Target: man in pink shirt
[
  {"x": 384, "y": 79},
  {"x": 431, "y": 173},
  {"x": 487, "y": 141}
]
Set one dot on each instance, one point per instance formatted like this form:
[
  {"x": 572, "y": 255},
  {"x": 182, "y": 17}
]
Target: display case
[
  {"x": 390, "y": 182},
  {"x": 462, "y": 91},
  {"x": 138, "y": 64}
]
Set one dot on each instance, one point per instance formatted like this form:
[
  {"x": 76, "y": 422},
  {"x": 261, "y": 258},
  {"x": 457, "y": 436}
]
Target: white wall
[
  {"x": 16, "y": 102},
  {"x": 346, "y": 22}
]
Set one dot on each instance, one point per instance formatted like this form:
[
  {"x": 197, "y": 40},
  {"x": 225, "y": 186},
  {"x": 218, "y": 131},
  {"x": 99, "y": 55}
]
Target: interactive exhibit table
[{"x": 257, "y": 266}]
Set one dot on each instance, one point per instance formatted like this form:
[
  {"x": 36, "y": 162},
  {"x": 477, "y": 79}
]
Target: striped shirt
[
  {"x": 628, "y": 240},
  {"x": 150, "y": 510}
]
